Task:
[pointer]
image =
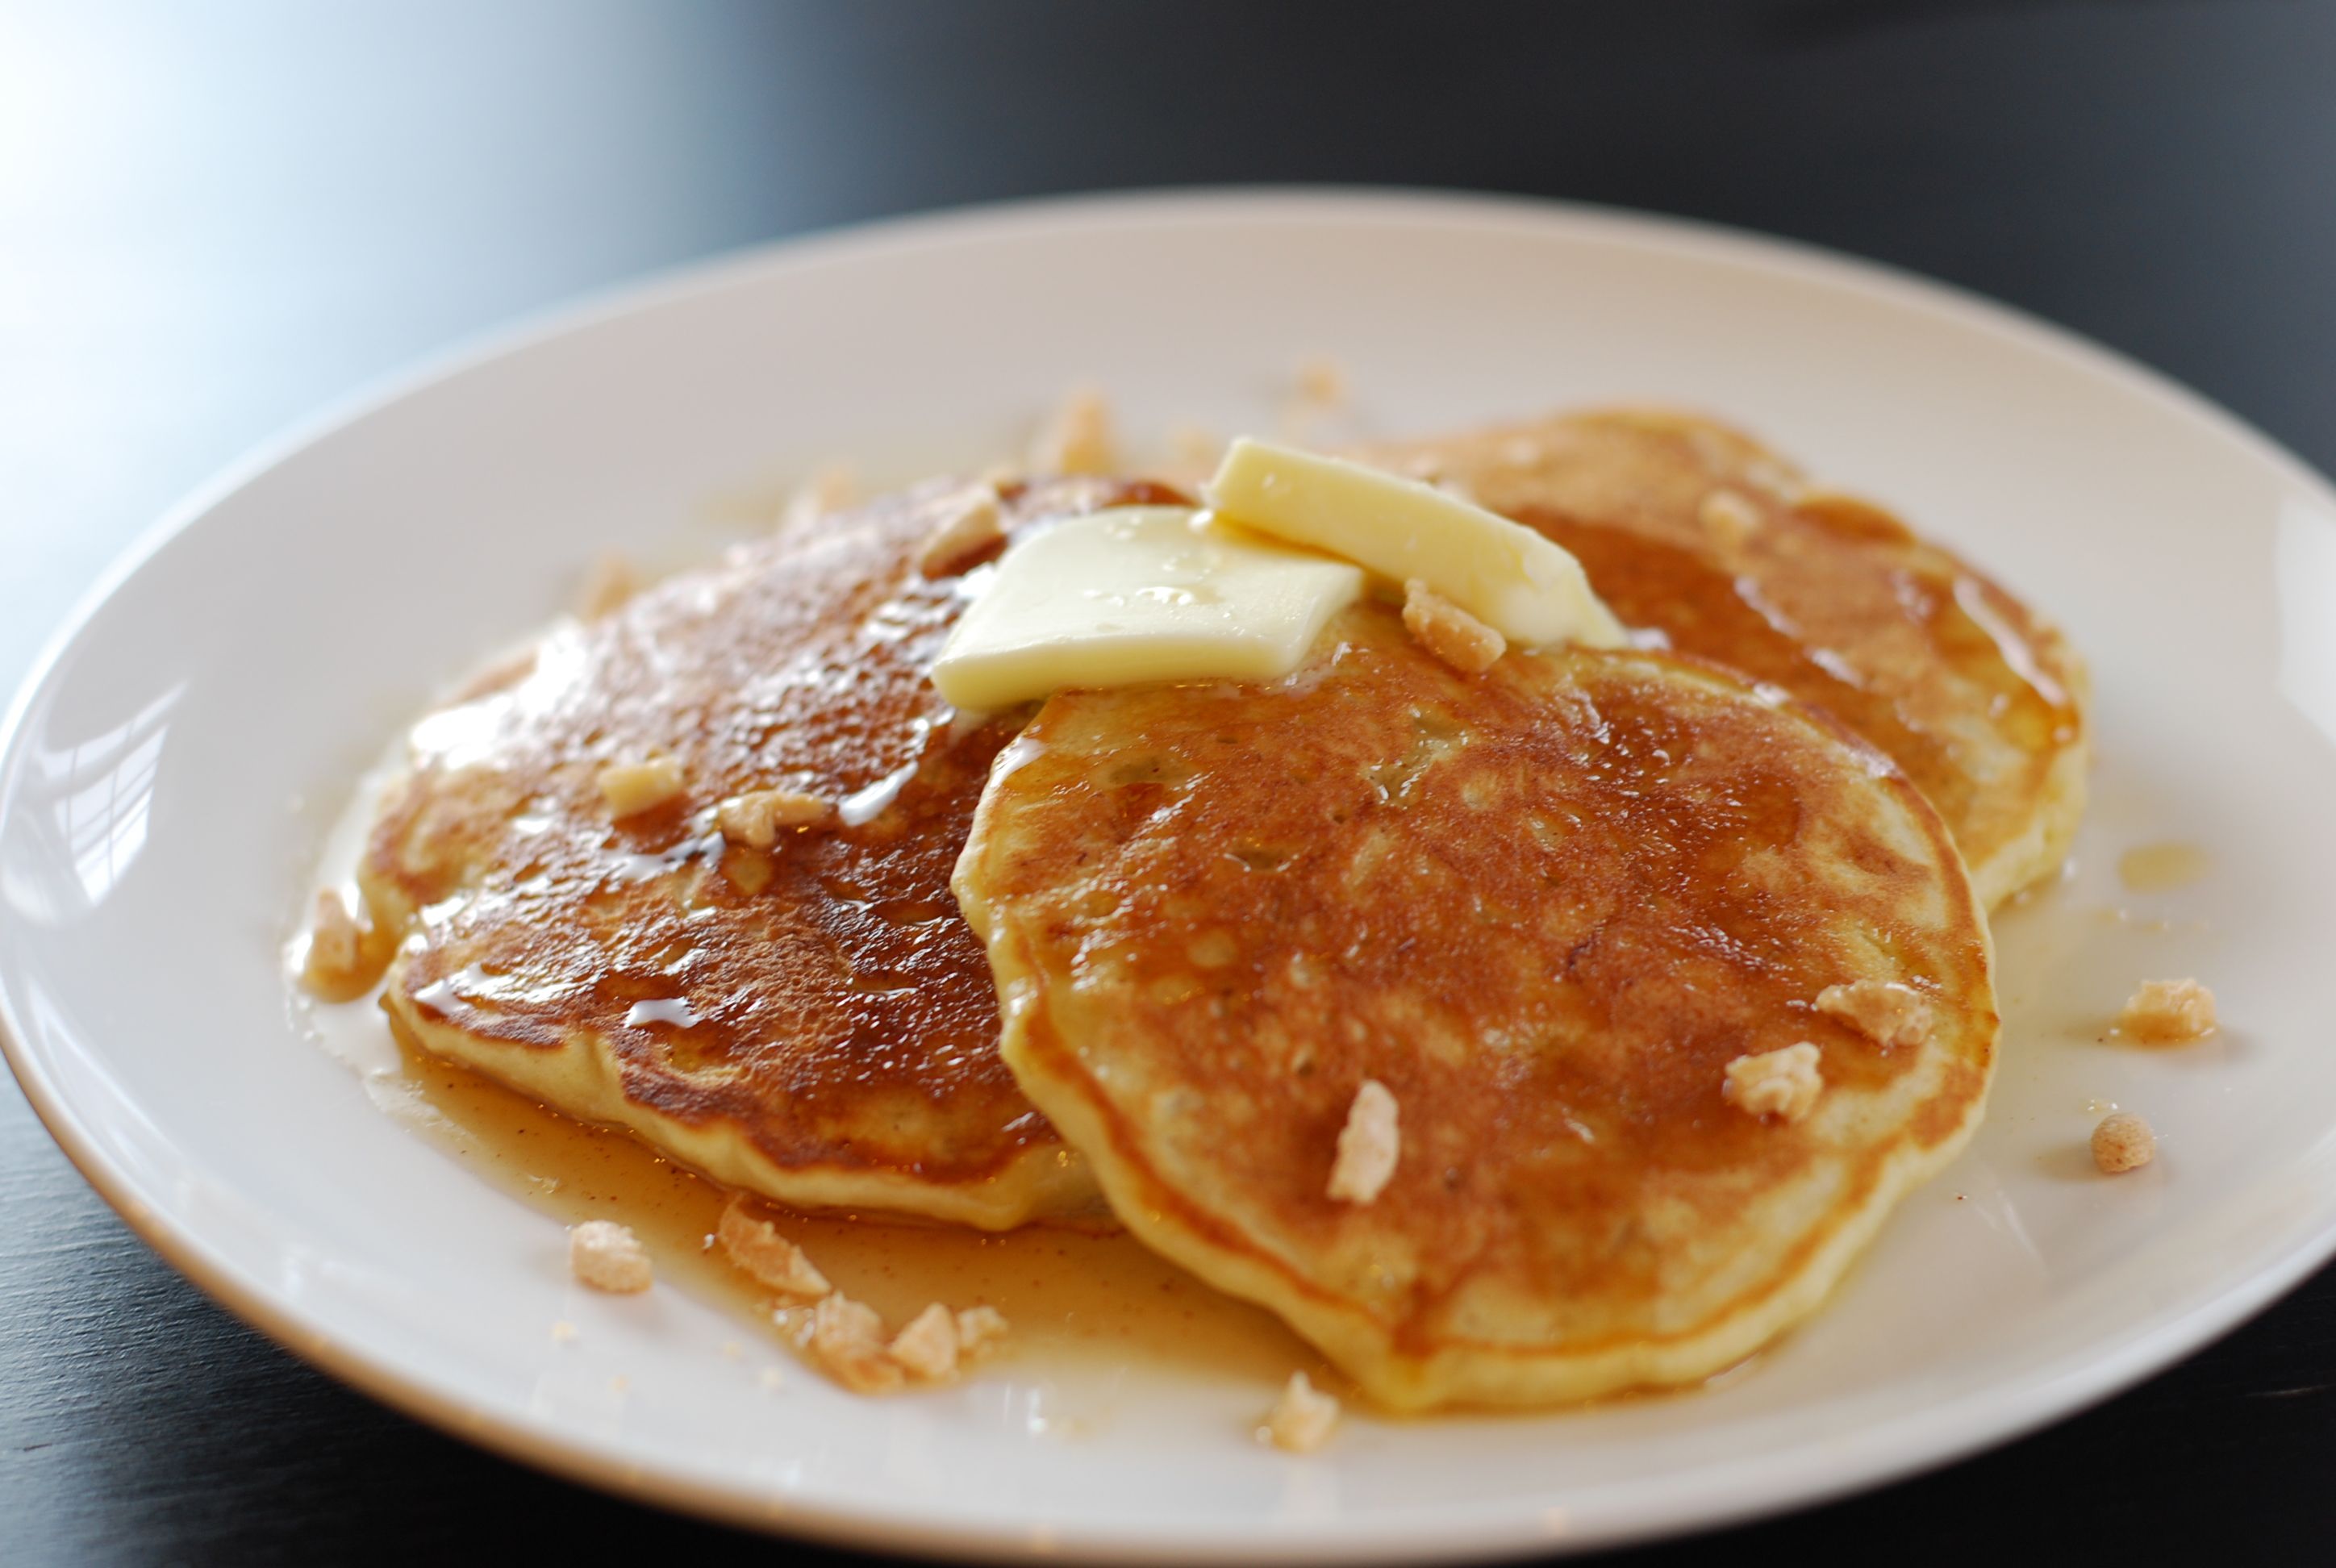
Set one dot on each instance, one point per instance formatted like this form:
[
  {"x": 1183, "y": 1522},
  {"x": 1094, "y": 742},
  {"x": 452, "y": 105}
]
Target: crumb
[
  {"x": 563, "y": 1330},
  {"x": 1318, "y": 392},
  {"x": 1195, "y": 449},
  {"x": 1727, "y": 517},
  {"x": 1078, "y": 438},
  {"x": 732, "y": 1349},
  {"x": 756, "y": 1246},
  {"x": 756, "y": 818},
  {"x": 618, "y": 1384},
  {"x": 849, "y": 1339},
  {"x": 832, "y": 487},
  {"x": 1884, "y": 1011},
  {"x": 928, "y": 1347},
  {"x": 336, "y": 945},
  {"x": 979, "y": 1329},
  {"x": 749, "y": 871},
  {"x": 1322, "y": 383},
  {"x": 2123, "y": 1142},
  {"x": 971, "y": 530},
  {"x": 1368, "y": 1145},
  {"x": 630, "y": 788},
  {"x": 606, "y": 1256},
  {"x": 1450, "y": 632},
  {"x": 1784, "y": 1084},
  {"x": 1302, "y": 1417},
  {"x": 2166, "y": 1012},
  {"x": 771, "y": 1377},
  {"x": 610, "y": 581}
]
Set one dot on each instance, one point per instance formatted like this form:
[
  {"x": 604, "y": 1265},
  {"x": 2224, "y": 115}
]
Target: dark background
[{"x": 213, "y": 219}]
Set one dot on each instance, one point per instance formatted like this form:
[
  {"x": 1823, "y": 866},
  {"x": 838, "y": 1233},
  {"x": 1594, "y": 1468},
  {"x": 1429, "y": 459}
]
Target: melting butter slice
[
  {"x": 1139, "y": 593},
  {"x": 1504, "y": 574}
]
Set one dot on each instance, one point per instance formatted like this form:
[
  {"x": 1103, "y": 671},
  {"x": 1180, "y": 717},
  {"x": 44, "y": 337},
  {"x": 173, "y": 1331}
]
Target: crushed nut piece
[
  {"x": 606, "y": 1256},
  {"x": 1195, "y": 450},
  {"x": 928, "y": 1346},
  {"x": 1078, "y": 438},
  {"x": 979, "y": 1329},
  {"x": 1885, "y": 1012},
  {"x": 1322, "y": 381},
  {"x": 1784, "y": 1084},
  {"x": 607, "y": 586},
  {"x": 968, "y": 533},
  {"x": 1303, "y": 1416},
  {"x": 849, "y": 1339},
  {"x": 1450, "y": 632},
  {"x": 1727, "y": 517},
  {"x": 336, "y": 945},
  {"x": 2166, "y": 1012},
  {"x": 756, "y": 1245},
  {"x": 832, "y": 487},
  {"x": 749, "y": 871},
  {"x": 630, "y": 788},
  {"x": 756, "y": 818},
  {"x": 2123, "y": 1141},
  {"x": 1368, "y": 1145}
]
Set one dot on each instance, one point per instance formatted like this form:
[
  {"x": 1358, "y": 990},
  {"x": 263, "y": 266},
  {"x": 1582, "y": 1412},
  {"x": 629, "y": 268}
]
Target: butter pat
[
  {"x": 1504, "y": 574},
  {"x": 1142, "y": 593}
]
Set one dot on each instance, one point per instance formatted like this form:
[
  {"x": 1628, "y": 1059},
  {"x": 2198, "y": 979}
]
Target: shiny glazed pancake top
[{"x": 812, "y": 1021}]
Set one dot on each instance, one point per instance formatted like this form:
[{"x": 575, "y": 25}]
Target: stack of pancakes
[{"x": 1141, "y": 947}]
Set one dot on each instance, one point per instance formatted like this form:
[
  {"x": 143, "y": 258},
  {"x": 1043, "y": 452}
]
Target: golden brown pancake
[
  {"x": 1546, "y": 907},
  {"x": 814, "y": 1022},
  {"x": 1979, "y": 699}
]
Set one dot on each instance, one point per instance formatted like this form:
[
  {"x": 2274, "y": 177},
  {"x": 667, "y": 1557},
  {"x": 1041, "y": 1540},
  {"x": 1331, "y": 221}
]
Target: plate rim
[{"x": 1895, "y": 1449}]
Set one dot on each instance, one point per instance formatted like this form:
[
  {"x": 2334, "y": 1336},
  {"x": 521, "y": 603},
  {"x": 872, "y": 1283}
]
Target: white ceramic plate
[{"x": 267, "y": 638}]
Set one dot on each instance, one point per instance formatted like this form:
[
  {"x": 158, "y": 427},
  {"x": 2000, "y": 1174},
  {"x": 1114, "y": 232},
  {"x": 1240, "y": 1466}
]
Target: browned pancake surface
[
  {"x": 1546, "y": 907},
  {"x": 815, "y": 1021}
]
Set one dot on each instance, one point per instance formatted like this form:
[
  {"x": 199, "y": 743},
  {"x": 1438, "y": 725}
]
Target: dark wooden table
[{"x": 212, "y": 219}]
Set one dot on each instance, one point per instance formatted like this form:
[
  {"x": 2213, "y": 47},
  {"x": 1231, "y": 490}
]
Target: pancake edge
[
  {"x": 2034, "y": 858},
  {"x": 583, "y": 1081}
]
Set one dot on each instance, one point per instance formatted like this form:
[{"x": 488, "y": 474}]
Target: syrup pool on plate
[{"x": 1075, "y": 1298}]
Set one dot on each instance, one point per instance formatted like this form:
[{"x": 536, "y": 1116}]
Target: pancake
[
  {"x": 1545, "y": 906},
  {"x": 814, "y": 1022},
  {"x": 1979, "y": 699}
]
